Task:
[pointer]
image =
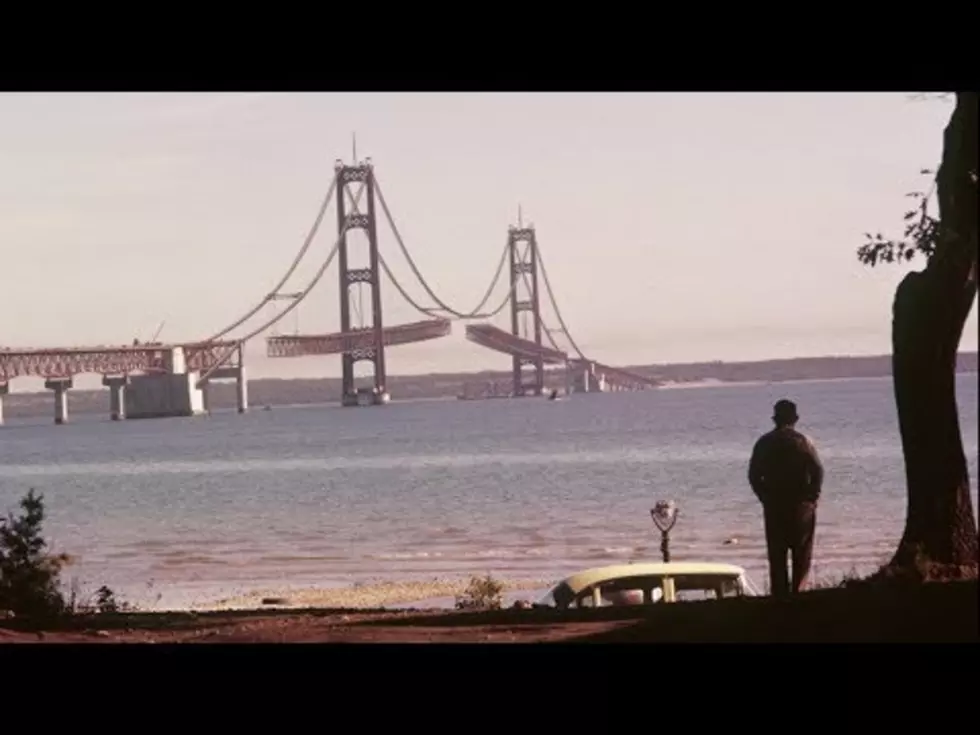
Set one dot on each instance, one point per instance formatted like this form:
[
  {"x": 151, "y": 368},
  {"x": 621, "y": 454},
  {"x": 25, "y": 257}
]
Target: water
[{"x": 175, "y": 512}]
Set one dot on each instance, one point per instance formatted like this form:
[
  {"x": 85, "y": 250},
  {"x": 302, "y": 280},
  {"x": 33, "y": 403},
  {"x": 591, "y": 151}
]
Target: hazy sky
[{"x": 675, "y": 227}]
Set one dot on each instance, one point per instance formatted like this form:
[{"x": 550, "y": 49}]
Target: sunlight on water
[{"x": 248, "y": 466}]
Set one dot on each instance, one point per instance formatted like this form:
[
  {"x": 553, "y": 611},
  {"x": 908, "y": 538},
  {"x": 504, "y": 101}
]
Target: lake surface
[{"x": 177, "y": 512}]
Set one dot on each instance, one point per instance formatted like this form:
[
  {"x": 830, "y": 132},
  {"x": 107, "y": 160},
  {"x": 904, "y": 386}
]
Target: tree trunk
[{"x": 930, "y": 311}]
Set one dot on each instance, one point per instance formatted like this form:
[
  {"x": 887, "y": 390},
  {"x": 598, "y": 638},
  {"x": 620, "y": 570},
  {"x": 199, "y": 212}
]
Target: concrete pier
[
  {"x": 117, "y": 386},
  {"x": 4, "y": 390},
  {"x": 585, "y": 379},
  {"x": 60, "y": 386},
  {"x": 163, "y": 396},
  {"x": 241, "y": 384},
  {"x": 241, "y": 390}
]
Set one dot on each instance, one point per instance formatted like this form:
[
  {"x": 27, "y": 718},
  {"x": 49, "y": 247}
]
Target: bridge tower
[
  {"x": 348, "y": 178},
  {"x": 524, "y": 279}
]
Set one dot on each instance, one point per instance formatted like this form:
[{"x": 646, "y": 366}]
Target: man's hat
[{"x": 785, "y": 411}]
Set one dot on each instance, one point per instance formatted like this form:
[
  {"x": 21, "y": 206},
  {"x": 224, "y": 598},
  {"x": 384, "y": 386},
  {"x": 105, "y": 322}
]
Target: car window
[
  {"x": 706, "y": 587},
  {"x": 689, "y": 595},
  {"x": 625, "y": 591}
]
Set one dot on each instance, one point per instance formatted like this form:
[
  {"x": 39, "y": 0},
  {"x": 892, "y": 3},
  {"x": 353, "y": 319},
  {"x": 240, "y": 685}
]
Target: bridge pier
[
  {"x": 4, "y": 390},
  {"x": 241, "y": 390},
  {"x": 117, "y": 386},
  {"x": 586, "y": 380},
  {"x": 241, "y": 386},
  {"x": 60, "y": 386}
]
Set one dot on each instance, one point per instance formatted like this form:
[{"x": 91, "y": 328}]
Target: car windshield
[
  {"x": 548, "y": 600},
  {"x": 558, "y": 596},
  {"x": 749, "y": 588}
]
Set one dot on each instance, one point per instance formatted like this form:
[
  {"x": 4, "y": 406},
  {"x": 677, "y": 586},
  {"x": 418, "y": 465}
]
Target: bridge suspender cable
[
  {"x": 554, "y": 303},
  {"x": 475, "y": 313},
  {"x": 297, "y": 298},
  {"x": 295, "y": 301},
  {"x": 435, "y": 312},
  {"x": 289, "y": 272}
]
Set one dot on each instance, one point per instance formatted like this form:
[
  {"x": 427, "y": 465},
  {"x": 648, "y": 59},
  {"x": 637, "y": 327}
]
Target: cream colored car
[{"x": 648, "y": 583}]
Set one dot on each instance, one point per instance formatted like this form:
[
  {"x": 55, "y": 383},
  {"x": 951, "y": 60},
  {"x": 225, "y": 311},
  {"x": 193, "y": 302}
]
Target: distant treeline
[{"x": 278, "y": 392}]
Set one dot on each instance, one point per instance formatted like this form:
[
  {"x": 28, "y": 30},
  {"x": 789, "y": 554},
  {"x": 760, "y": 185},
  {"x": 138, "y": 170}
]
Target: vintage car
[{"x": 648, "y": 583}]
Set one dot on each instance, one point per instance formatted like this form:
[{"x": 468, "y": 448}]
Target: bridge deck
[
  {"x": 494, "y": 338},
  {"x": 299, "y": 345},
  {"x": 201, "y": 356},
  {"x": 63, "y": 362}
]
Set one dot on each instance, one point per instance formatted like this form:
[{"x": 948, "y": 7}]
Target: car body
[{"x": 649, "y": 583}]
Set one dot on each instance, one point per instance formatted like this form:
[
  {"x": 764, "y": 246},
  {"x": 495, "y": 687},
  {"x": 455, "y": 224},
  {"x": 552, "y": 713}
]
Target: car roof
[{"x": 588, "y": 577}]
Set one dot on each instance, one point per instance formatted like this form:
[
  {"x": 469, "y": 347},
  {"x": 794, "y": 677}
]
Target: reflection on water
[{"x": 191, "y": 509}]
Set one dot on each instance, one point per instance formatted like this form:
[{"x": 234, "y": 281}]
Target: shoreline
[{"x": 386, "y": 589}]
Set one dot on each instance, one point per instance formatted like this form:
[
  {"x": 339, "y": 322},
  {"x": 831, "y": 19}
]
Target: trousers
[{"x": 789, "y": 533}]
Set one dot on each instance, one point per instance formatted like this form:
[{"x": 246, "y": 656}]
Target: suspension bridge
[{"x": 158, "y": 379}]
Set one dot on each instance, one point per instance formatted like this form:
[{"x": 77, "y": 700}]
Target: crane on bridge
[{"x": 528, "y": 340}]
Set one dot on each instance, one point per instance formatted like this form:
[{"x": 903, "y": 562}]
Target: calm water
[{"x": 182, "y": 510}]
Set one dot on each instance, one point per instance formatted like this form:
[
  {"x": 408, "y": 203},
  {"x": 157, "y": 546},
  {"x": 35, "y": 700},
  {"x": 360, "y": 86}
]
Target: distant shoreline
[{"x": 434, "y": 386}]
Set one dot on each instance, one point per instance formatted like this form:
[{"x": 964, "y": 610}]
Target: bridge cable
[
  {"x": 561, "y": 321},
  {"x": 474, "y": 314},
  {"x": 554, "y": 302},
  {"x": 607, "y": 368},
  {"x": 540, "y": 321},
  {"x": 299, "y": 256},
  {"x": 296, "y": 300},
  {"x": 430, "y": 311}
]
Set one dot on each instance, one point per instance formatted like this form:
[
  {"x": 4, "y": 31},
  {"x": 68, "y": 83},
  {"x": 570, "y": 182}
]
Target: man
[{"x": 786, "y": 476}]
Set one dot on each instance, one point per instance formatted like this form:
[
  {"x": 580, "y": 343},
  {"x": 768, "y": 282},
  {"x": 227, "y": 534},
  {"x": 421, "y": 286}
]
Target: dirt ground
[
  {"x": 318, "y": 627},
  {"x": 940, "y": 612}
]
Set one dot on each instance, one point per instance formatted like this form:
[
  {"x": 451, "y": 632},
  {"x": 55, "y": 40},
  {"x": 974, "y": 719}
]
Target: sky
[{"x": 674, "y": 227}]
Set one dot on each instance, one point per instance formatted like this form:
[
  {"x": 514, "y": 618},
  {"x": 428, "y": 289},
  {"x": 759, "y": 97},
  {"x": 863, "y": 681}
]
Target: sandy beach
[{"x": 417, "y": 594}]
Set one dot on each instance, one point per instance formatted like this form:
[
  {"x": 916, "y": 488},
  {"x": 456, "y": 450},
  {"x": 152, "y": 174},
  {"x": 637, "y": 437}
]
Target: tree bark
[{"x": 930, "y": 311}]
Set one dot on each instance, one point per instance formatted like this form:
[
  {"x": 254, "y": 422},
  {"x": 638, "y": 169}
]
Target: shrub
[
  {"x": 481, "y": 594},
  {"x": 29, "y": 575}
]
